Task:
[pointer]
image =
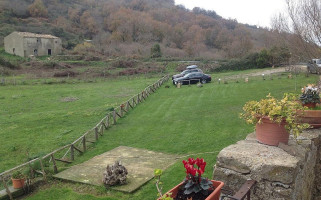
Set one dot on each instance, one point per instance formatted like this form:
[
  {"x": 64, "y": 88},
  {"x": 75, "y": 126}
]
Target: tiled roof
[{"x": 34, "y": 35}]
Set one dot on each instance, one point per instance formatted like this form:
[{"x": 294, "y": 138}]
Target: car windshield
[{"x": 185, "y": 72}]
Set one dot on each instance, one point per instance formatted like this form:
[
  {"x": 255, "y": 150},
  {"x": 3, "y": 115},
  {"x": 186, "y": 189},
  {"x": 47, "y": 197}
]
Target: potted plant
[
  {"x": 310, "y": 96},
  {"x": 18, "y": 179},
  {"x": 274, "y": 119},
  {"x": 194, "y": 185}
]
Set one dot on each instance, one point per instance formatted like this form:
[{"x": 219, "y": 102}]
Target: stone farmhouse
[{"x": 25, "y": 44}]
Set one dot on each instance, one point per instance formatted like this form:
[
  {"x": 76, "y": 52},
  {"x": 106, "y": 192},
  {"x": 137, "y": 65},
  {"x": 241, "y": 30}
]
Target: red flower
[
  {"x": 189, "y": 166},
  {"x": 191, "y": 161},
  {"x": 200, "y": 162},
  {"x": 184, "y": 162},
  {"x": 200, "y": 172}
]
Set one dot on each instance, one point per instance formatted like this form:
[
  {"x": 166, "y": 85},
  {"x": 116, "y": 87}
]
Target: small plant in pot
[
  {"x": 194, "y": 185},
  {"x": 18, "y": 179},
  {"x": 310, "y": 96},
  {"x": 274, "y": 119}
]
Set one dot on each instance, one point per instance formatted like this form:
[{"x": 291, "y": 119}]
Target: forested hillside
[{"x": 132, "y": 27}]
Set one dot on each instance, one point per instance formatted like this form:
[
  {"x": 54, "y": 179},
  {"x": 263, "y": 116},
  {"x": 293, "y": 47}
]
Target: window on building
[{"x": 49, "y": 52}]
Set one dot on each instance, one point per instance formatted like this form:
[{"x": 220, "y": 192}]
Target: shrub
[
  {"x": 124, "y": 64},
  {"x": 65, "y": 74},
  {"x": 8, "y": 64},
  {"x": 155, "y": 51}
]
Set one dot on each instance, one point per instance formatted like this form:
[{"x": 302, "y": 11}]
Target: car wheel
[{"x": 204, "y": 81}]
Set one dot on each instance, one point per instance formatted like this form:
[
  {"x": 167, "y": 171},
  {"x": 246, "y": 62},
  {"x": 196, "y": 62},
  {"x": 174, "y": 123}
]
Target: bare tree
[{"x": 304, "y": 22}]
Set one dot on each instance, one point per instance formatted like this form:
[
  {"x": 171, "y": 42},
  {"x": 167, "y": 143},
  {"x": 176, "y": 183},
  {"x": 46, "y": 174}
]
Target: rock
[
  {"x": 262, "y": 161},
  {"x": 115, "y": 174},
  {"x": 285, "y": 172}
]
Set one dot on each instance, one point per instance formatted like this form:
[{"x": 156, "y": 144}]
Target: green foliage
[
  {"x": 266, "y": 58},
  {"x": 157, "y": 174},
  {"x": 155, "y": 51},
  {"x": 18, "y": 175},
  {"x": 284, "y": 110}
]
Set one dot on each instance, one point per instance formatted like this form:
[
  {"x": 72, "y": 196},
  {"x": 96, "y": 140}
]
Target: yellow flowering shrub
[{"x": 285, "y": 110}]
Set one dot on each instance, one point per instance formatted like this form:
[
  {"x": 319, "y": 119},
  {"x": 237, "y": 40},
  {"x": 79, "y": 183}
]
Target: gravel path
[{"x": 270, "y": 71}]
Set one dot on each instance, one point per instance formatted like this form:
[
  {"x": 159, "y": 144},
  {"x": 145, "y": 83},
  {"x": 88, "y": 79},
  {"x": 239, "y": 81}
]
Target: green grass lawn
[
  {"x": 40, "y": 118},
  {"x": 188, "y": 121}
]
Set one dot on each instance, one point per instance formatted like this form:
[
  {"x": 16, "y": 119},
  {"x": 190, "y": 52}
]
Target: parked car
[
  {"x": 193, "y": 78},
  {"x": 314, "y": 66},
  {"x": 187, "y": 71},
  {"x": 192, "y": 67}
]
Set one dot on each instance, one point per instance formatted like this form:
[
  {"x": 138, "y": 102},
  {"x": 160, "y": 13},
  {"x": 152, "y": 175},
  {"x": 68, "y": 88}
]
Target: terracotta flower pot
[
  {"x": 18, "y": 183},
  {"x": 312, "y": 117},
  {"x": 271, "y": 133},
  {"x": 310, "y": 105},
  {"x": 215, "y": 195}
]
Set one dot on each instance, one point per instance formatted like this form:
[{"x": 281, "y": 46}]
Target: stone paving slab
[{"x": 140, "y": 164}]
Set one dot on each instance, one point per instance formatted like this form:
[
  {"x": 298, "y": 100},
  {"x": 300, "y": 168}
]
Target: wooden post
[
  {"x": 107, "y": 121},
  {"x": 43, "y": 170},
  {"x": 54, "y": 163},
  {"x": 102, "y": 129},
  {"x": 72, "y": 152},
  {"x": 138, "y": 99},
  {"x": 127, "y": 106},
  {"x": 121, "y": 110},
  {"x": 134, "y": 101},
  {"x": 130, "y": 105},
  {"x": 7, "y": 189},
  {"x": 114, "y": 116},
  {"x": 84, "y": 143},
  {"x": 96, "y": 133}
]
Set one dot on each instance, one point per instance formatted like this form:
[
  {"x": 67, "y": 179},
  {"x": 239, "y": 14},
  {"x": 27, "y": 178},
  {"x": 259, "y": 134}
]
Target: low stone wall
[{"x": 290, "y": 171}]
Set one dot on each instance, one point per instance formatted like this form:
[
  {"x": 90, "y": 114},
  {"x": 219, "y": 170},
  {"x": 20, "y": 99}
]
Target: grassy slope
[
  {"x": 182, "y": 121},
  {"x": 35, "y": 118}
]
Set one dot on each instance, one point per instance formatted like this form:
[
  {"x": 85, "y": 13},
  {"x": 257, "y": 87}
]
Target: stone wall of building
[{"x": 290, "y": 171}]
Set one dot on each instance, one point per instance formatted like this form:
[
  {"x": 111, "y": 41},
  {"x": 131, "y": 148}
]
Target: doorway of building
[
  {"x": 35, "y": 52},
  {"x": 49, "y": 52}
]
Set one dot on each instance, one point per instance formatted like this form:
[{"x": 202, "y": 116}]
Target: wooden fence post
[
  {"x": 121, "y": 110},
  {"x": 102, "y": 128},
  {"x": 134, "y": 102},
  {"x": 7, "y": 189},
  {"x": 138, "y": 99},
  {"x": 84, "y": 143},
  {"x": 107, "y": 121},
  {"x": 114, "y": 116},
  {"x": 72, "y": 152},
  {"x": 96, "y": 133},
  {"x": 43, "y": 170},
  {"x": 127, "y": 106},
  {"x": 54, "y": 163}
]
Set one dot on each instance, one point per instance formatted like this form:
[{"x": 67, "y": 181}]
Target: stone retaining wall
[{"x": 290, "y": 171}]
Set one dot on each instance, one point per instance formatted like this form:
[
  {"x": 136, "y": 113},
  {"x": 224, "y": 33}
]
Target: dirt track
[{"x": 288, "y": 69}]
